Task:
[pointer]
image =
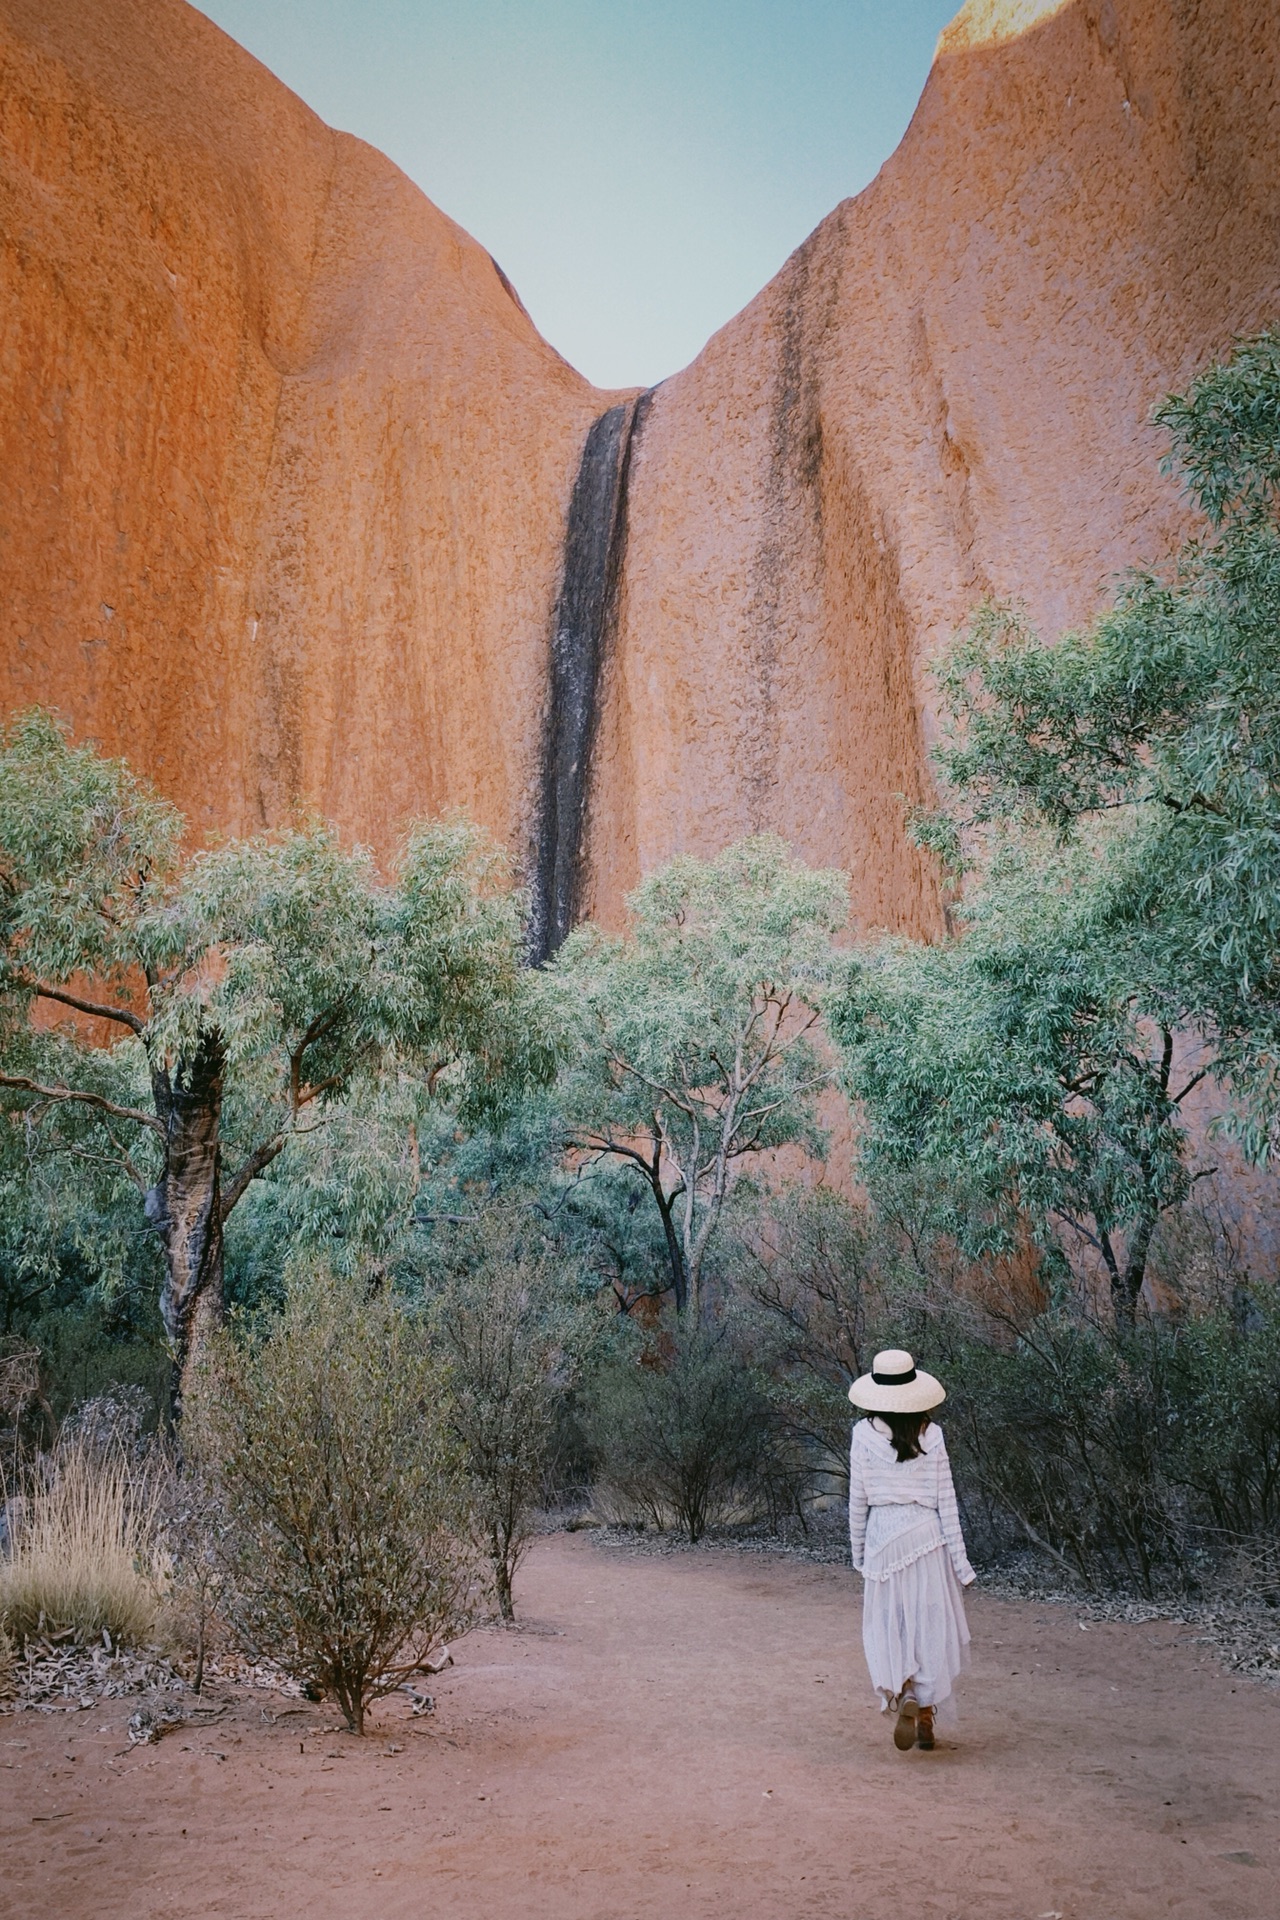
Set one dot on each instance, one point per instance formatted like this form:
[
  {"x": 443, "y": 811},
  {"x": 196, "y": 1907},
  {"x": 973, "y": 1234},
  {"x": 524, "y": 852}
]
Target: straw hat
[{"x": 896, "y": 1384}]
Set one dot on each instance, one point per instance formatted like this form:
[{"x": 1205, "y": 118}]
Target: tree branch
[
  {"x": 118, "y": 1159},
  {"x": 99, "y": 1009},
  {"x": 307, "y": 1094},
  {"x": 1077, "y": 1227},
  {"x": 658, "y": 1087},
  {"x": 258, "y": 1160},
  {"x": 319, "y": 1029},
  {"x": 95, "y": 1100},
  {"x": 602, "y": 1144}
]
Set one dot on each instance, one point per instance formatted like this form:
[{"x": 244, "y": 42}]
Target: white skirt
[{"x": 913, "y": 1621}]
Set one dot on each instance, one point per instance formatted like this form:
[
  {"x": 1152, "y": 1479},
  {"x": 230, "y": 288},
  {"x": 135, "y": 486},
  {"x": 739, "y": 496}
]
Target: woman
[{"x": 904, "y": 1529}]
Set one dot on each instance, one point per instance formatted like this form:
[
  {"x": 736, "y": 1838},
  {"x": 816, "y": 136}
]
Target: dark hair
[{"x": 905, "y": 1430}]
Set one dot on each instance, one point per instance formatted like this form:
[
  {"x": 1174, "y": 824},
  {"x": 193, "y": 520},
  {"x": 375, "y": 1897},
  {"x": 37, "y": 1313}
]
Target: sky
[{"x": 638, "y": 168}]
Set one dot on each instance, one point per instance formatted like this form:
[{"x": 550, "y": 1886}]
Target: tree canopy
[
  {"x": 1164, "y": 715},
  {"x": 1029, "y": 1073},
  {"x": 251, "y": 987},
  {"x": 695, "y": 1040},
  {"x": 1114, "y": 799}
]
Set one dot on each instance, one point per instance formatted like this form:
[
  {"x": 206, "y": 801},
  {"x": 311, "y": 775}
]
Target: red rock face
[
  {"x": 283, "y": 463},
  {"x": 285, "y": 468},
  {"x": 945, "y": 393}
]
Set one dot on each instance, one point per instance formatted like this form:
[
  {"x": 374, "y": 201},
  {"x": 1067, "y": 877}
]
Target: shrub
[
  {"x": 1135, "y": 1457},
  {"x": 342, "y": 1502},
  {"x": 191, "y": 1525},
  {"x": 84, "y": 1546},
  {"x": 1063, "y": 1431},
  {"x": 510, "y": 1336},
  {"x": 1223, "y": 1438},
  {"x": 683, "y": 1435},
  {"x": 801, "y": 1265},
  {"x": 85, "y": 1357}
]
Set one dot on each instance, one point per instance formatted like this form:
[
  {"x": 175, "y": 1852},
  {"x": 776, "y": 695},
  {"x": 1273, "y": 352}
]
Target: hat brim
[{"x": 913, "y": 1396}]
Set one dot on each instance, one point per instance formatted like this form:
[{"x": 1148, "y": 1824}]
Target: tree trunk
[
  {"x": 1135, "y": 1269},
  {"x": 185, "y": 1205},
  {"x": 675, "y": 1252},
  {"x": 1126, "y": 1282},
  {"x": 693, "y": 1290}
]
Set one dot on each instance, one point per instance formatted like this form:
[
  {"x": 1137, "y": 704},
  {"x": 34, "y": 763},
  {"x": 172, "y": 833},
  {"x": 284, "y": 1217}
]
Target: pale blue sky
[{"x": 639, "y": 168}]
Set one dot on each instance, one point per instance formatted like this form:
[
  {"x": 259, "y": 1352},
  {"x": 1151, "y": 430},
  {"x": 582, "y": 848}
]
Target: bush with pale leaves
[{"x": 343, "y": 1522}]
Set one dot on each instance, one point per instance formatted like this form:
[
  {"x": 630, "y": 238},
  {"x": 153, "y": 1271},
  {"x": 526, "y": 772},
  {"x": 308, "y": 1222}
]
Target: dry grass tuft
[{"x": 84, "y": 1551}]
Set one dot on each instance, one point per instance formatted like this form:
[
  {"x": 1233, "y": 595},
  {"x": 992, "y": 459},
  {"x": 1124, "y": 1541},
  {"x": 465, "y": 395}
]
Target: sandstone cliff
[
  {"x": 286, "y": 471},
  {"x": 283, "y": 463},
  {"x": 944, "y": 393}
]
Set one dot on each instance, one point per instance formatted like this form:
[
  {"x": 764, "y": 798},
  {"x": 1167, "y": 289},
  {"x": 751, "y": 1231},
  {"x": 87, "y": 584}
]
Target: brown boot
[
  {"x": 904, "y": 1734},
  {"x": 924, "y": 1729}
]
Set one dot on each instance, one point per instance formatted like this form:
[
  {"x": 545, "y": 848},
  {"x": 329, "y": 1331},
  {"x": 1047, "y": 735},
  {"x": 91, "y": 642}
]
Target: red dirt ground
[{"x": 680, "y": 1736}]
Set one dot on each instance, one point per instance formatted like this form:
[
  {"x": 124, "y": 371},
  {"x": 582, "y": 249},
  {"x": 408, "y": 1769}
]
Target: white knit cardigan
[{"x": 877, "y": 1478}]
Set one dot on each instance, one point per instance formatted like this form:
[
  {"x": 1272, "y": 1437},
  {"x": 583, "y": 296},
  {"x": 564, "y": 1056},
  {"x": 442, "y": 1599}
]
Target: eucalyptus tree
[
  {"x": 1117, "y": 796},
  {"x": 696, "y": 1037},
  {"x": 1026, "y": 1070},
  {"x": 1164, "y": 717},
  {"x": 245, "y": 990},
  {"x": 71, "y": 1237}
]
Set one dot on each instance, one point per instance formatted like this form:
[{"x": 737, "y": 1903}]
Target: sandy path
[{"x": 680, "y": 1736}]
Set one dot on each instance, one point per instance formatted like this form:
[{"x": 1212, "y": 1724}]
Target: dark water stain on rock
[{"x": 586, "y": 611}]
